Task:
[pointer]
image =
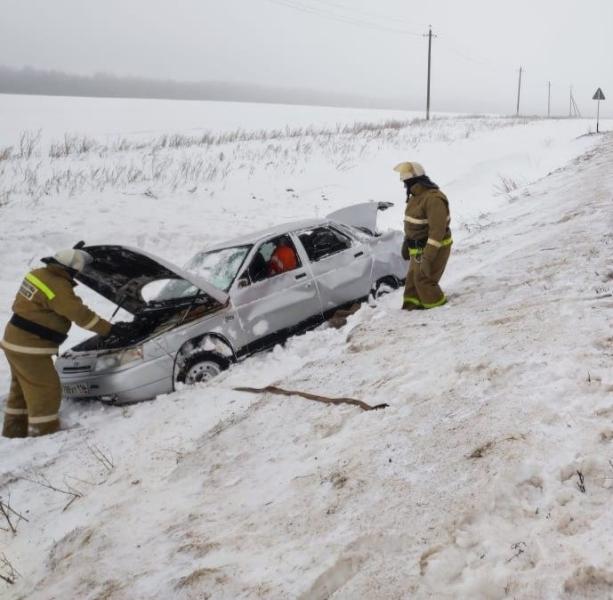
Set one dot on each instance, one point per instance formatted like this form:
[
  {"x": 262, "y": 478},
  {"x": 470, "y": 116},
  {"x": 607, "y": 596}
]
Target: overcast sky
[{"x": 364, "y": 47}]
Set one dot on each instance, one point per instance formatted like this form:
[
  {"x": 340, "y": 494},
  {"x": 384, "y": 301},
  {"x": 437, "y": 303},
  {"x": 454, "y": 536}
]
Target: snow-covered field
[
  {"x": 489, "y": 476},
  {"x": 112, "y": 118}
]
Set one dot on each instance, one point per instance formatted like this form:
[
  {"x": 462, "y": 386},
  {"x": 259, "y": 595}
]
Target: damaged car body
[{"x": 229, "y": 301}]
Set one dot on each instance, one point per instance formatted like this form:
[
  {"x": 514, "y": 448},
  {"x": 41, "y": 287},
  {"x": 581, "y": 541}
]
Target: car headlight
[{"x": 118, "y": 359}]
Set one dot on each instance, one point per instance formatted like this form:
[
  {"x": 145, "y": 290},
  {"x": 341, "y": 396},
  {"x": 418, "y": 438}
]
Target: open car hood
[
  {"x": 363, "y": 215},
  {"x": 119, "y": 273}
]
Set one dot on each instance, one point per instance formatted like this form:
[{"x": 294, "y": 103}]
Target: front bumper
[{"x": 134, "y": 382}]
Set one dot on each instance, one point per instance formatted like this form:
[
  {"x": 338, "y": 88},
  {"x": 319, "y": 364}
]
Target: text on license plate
[{"x": 75, "y": 389}]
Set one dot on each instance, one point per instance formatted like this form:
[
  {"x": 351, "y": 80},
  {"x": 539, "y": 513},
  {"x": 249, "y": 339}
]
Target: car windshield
[{"x": 219, "y": 266}]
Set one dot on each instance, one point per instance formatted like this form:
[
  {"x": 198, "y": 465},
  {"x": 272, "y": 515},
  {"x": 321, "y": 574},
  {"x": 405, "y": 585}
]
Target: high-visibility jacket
[
  {"x": 45, "y": 305},
  {"x": 282, "y": 259},
  {"x": 426, "y": 219}
]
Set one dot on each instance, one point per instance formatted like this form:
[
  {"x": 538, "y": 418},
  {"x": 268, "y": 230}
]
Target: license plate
[{"x": 76, "y": 389}]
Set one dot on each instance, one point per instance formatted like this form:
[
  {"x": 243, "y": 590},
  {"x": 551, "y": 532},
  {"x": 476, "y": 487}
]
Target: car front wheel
[{"x": 200, "y": 367}]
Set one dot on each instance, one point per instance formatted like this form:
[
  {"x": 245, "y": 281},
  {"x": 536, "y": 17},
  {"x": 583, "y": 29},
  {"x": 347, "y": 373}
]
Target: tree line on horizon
[{"x": 31, "y": 81}]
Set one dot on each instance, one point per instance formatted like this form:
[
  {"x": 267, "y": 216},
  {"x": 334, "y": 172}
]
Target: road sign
[{"x": 598, "y": 96}]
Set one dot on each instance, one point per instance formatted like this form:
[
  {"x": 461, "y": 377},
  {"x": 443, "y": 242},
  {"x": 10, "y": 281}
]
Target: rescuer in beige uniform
[
  {"x": 427, "y": 239},
  {"x": 43, "y": 311}
]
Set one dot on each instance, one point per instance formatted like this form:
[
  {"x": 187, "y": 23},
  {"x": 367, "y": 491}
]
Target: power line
[
  {"x": 448, "y": 43},
  {"x": 350, "y": 15},
  {"x": 455, "y": 48},
  {"x": 532, "y": 86},
  {"x": 347, "y": 19},
  {"x": 363, "y": 13},
  {"x": 342, "y": 18}
]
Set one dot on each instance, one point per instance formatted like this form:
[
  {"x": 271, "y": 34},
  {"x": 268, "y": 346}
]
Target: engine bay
[{"x": 155, "y": 318}]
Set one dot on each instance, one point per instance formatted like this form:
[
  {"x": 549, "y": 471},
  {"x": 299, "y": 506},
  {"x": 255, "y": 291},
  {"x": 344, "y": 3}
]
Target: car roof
[{"x": 257, "y": 236}]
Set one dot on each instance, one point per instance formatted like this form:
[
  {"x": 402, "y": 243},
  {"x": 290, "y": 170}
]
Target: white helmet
[
  {"x": 408, "y": 170},
  {"x": 73, "y": 259}
]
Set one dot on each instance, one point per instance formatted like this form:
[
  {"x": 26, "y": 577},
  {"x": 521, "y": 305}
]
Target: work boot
[
  {"x": 411, "y": 306},
  {"x": 441, "y": 302},
  {"x": 46, "y": 428},
  {"x": 15, "y": 426}
]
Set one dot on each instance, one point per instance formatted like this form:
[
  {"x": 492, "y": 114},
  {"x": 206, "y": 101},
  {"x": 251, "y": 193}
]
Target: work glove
[
  {"x": 404, "y": 251},
  {"x": 121, "y": 328}
]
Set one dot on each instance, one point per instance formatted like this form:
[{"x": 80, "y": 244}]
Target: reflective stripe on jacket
[
  {"x": 426, "y": 216},
  {"x": 46, "y": 297}
]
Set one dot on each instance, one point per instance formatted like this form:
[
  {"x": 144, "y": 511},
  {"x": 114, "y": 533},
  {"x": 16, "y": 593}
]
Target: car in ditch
[{"x": 229, "y": 301}]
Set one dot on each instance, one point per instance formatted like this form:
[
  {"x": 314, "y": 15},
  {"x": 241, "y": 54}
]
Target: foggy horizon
[
  {"x": 363, "y": 53},
  {"x": 31, "y": 81}
]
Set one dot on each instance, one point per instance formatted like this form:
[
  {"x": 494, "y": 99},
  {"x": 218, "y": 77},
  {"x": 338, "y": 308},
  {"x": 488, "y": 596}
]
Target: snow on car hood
[
  {"x": 119, "y": 273},
  {"x": 363, "y": 215}
]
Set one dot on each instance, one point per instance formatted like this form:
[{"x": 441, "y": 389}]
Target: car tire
[{"x": 200, "y": 367}]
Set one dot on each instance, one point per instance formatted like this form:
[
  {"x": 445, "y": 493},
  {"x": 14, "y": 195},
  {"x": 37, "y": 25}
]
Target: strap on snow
[{"x": 272, "y": 389}]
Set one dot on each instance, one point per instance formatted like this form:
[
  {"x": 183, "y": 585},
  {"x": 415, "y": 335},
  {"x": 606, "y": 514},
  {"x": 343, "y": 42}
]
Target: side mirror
[{"x": 243, "y": 282}]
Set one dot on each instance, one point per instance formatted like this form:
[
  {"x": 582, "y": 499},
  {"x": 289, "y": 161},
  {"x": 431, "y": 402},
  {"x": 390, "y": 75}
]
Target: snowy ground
[{"x": 489, "y": 476}]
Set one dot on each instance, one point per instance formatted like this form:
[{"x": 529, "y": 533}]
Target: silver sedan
[{"x": 229, "y": 301}]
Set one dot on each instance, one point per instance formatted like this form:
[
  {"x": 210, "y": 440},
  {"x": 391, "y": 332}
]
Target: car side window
[
  {"x": 320, "y": 242},
  {"x": 273, "y": 257}
]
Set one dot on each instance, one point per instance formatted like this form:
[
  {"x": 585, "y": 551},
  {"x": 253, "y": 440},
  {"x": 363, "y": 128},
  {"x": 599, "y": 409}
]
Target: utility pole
[
  {"x": 573, "y": 109},
  {"x": 519, "y": 89},
  {"x": 429, "y": 65},
  {"x": 576, "y": 110},
  {"x": 548, "y": 99}
]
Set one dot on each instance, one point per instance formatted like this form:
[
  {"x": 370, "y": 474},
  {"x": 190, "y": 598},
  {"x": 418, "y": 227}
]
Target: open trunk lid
[
  {"x": 363, "y": 215},
  {"x": 119, "y": 274}
]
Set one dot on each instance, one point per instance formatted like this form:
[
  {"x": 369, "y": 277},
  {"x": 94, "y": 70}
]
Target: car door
[
  {"x": 341, "y": 265},
  {"x": 271, "y": 304}
]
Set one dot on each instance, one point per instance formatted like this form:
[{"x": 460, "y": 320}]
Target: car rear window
[{"x": 320, "y": 242}]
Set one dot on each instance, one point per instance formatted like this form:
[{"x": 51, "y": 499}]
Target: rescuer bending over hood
[{"x": 43, "y": 310}]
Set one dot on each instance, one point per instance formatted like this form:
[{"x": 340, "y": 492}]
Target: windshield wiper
[{"x": 200, "y": 294}]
